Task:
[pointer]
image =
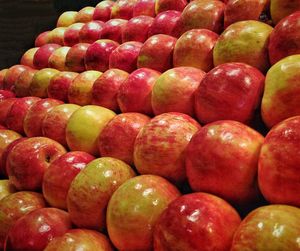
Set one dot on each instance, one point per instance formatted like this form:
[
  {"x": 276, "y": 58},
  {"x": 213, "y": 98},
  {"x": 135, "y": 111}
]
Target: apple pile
[{"x": 160, "y": 125}]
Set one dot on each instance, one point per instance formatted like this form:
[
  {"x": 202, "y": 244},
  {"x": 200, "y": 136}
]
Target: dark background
[{"x": 22, "y": 20}]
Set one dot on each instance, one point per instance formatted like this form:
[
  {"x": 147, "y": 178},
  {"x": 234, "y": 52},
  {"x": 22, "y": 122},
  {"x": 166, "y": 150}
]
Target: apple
[
  {"x": 80, "y": 89},
  {"x": 42, "y": 55},
  {"x": 76, "y": 56},
  {"x": 2, "y": 77},
  {"x": 144, "y": 8},
  {"x": 113, "y": 29},
  {"x": 136, "y": 91},
  {"x": 136, "y": 29},
  {"x": 71, "y": 36},
  {"x": 66, "y": 19},
  {"x": 14, "y": 206},
  {"x": 106, "y": 88},
  {"x": 164, "y": 5},
  {"x": 238, "y": 85},
  {"x": 284, "y": 39},
  {"x": 97, "y": 55},
  {"x": 85, "y": 15},
  {"x": 281, "y": 8},
  {"x": 281, "y": 94},
  {"x": 22, "y": 84},
  {"x": 42, "y": 39},
  {"x": 27, "y": 57},
  {"x": 80, "y": 239},
  {"x": 5, "y": 189},
  {"x": 60, "y": 174},
  {"x": 130, "y": 223},
  {"x": 56, "y": 36},
  {"x": 36, "y": 229},
  {"x": 160, "y": 146},
  {"x": 90, "y": 32},
  {"x": 196, "y": 221},
  {"x": 5, "y": 106},
  {"x": 6, "y": 95},
  {"x": 273, "y": 227},
  {"x": 118, "y": 136},
  {"x": 84, "y": 127},
  {"x": 157, "y": 53},
  {"x": 103, "y": 10},
  {"x": 59, "y": 85},
  {"x": 123, "y": 9},
  {"x": 55, "y": 122},
  {"x": 15, "y": 117},
  {"x": 57, "y": 60},
  {"x": 195, "y": 48},
  {"x": 36, "y": 114},
  {"x": 11, "y": 76},
  {"x": 92, "y": 188}
]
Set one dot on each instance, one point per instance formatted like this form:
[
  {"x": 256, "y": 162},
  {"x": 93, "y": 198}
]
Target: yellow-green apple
[
  {"x": 76, "y": 56},
  {"x": 40, "y": 82},
  {"x": 60, "y": 174},
  {"x": 130, "y": 223},
  {"x": 4, "y": 94},
  {"x": 80, "y": 239},
  {"x": 11, "y": 76},
  {"x": 157, "y": 53},
  {"x": 164, "y": 5},
  {"x": 97, "y": 55},
  {"x": 235, "y": 44},
  {"x": 281, "y": 93},
  {"x": 92, "y": 188},
  {"x": 42, "y": 39},
  {"x": 195, "y": 48},
  {"x": 22, "y": 84},
  {"x": 55, "y": 122},
  {"x": 284, "y": 39},
  {"x": 90, "y": 32},
  {"x": 282, "y": 8},
  {"x": 118, "y": 136},
  {"x": 27, "y": 57},
  {"x": 196, "y": 221},
  {"x": 36, "y": 229},
  {"x": 15, "y": 206},
  {"x": 113, "y": 29},
  {"x": 229, "y": 91},
  {"x": 66, "y": 19},
  {"x": 106, "y": 88},
  {"x": 15, "y": 117},
  {"x": 136, "y": 91},
  {"x": 42, "y": 55},
  {"x": 56, "y": 36},
  {"x": 36, "y": 114},
  {"x": 80, "y": 89},
  {"x": 144, "y": 8},
  {"x": 273, "y": 227},
  {"x": 5, "y": 106},
  {"x": 84, "y": 127},
  {"x": 123, "y": 9},
  {"x": 59, "y": 85},
  {"x": 57, "y": 60},
  {"x": 103, "y": 10},
  {"x": 136, "y": 29},
  {"x": 5, "y": 189},
  {"x": 71, "y": 36},
  {"x": 85, "y": 15},
  {"x": 161, "y": 144},
  {"x": 174, "y": 90},
  {"x": 278, "y": 163},
  {"x": 2, "y": 77},
  {"x": 165, "y": 23}
]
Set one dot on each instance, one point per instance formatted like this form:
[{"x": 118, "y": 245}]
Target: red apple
[
  {"x": 282, "y": 8},
  {"x": 85, "y": 15},
  {"x": 2, "y": 77},
  {"x": 144, "y": 8},
  {"x": 71, "y": 36},
  {"x": 22, "y": 84},
  {"x": 27, "y": 57},
  {"x": 157, "y": 53},
  {"x": 5, "y": 106},
  {"x": 42, "y": 39},
  {"x": 76, "y": 56},
  {"x": 164, "y": 5},
  {"x": 6, "y": 95},
  {"x": 97, "y": 55},
  {"x": 136, "y": 91},
  {"x": 41, "y": 57},
  {"x": 113, "y": 29},
  {"x": 66, "y": 19},
  {"x": 123, "y": 9},
  {"x": 56, "y": 36},
  {"x": 103, "y": 10},
  {"x": 90, "y": 32},
  {"x": 57, "y": 60},
  {"x": 130, "y": 224},
  {"x": 118, "y": 136},
  {"x": 5, "y": 189},
  {"x": 106, "y": 88},
  {"x": 11, "y": 76},
  {"x": 60, "y": 174}
]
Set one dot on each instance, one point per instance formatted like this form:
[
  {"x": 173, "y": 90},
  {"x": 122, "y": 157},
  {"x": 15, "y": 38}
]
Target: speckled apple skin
[
  {"x": 22, "y": 84},
  {"x": 103, "y": 10}
]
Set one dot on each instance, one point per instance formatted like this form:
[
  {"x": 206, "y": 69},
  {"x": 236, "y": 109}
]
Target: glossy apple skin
[
  {"x": 196, "y": 221},
  {"x": 160, "y": 145},
  {"x": 15, "y": 206},
  {"x": 85, "y": 15},
  {"x": 117, "y": 138},
  {"x": 36, "y": 229},
  {"x": 136, "y": 29},
  {"x": 280, "y": 9},
  {"x": 106, "y": 88},
  {"x": 66, "y": 19},
  {"x": 92, "y": 189},
  {"x": 2, "y": 77},
  {"x": 135, "y": 93},
  {"x": 273, "y": 227},
  {"x": 6, "y": 95},
  {"x": 22, "y": 84},
  {"x": 103, "y": 10},
  {"x": 80, "y": 90},
  {"x": 40, "y": 59},
  {"x": 281, "y": 95},
  {"x": 5, "y": 189},
  {"x": 5, "y": 106},
  {"x": 12, "y": 75},
  {"x": 55, "y": 122},
  {"x": 174, "y": 90},
  {"x": 80, "y": 239},
  {"x": 113, "y": 29},
  {"x": 123, "y": 9},
  {"x": 84, "y": 127},
  {"x": 279, "y": 165},
  {"x": 229, "y": 91},
  {"x": 90, "y": 32},
  {"x": 97, "y": 55},
  {"x": 36, "y": 114},
  {"x": 164, "y": 5},
  {"x": 76, "y": 56},
  {"x": 57, "y": 60},
  {"x": 157, "y": 53},
  {"x": 284, "y": 40},
  {"x": 27, "y": 57},
  {"x": 130, "y": 226},
  {"x": 56, "y": 36},
  {"x": 60, "y": 174},
  {"x": 71, "y": 36},
  {"x": 15, "y": 117},
  {"x": 42, "y": 39},
  {"x": 40, "y": 82},
  {"x": 144, "y": 8},
  {"x": 59, "y": 85}
]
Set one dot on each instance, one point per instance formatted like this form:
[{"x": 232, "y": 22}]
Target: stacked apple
[{"x": 155, "y": 125}]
